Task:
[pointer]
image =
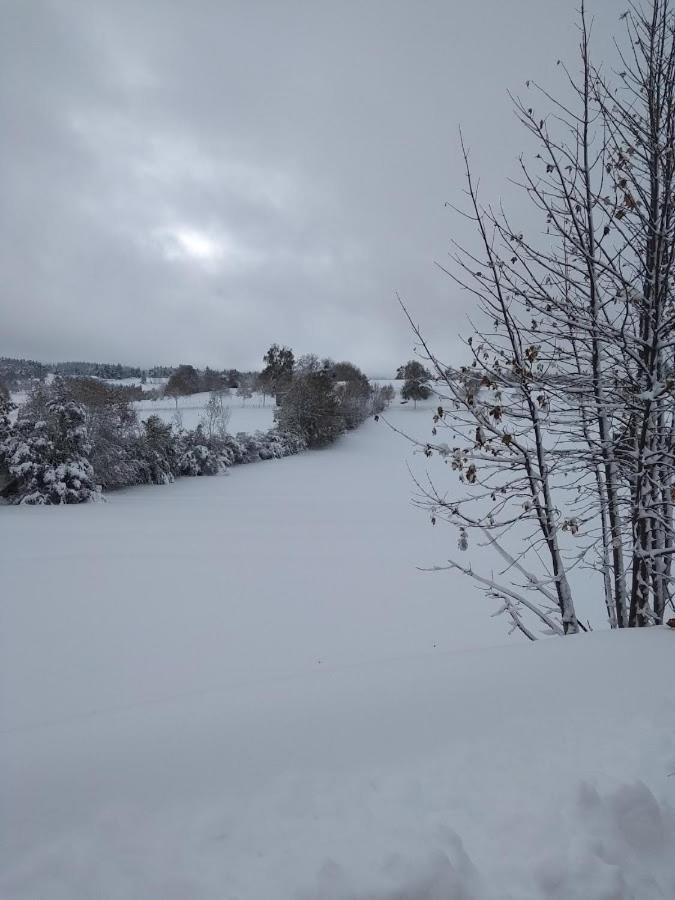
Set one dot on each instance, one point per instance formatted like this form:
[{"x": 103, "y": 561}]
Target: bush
[
  {"x": 273, "y": 444},
  {"x": 113, "y": 430},
  {"x": 197, "y": 453},
  {"x": 47, "y": 453},
  {"x": 155, "y": 452}
]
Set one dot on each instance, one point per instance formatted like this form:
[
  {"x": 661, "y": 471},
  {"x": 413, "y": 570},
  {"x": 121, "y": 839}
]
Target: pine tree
[{"x": 47, "y": 453}]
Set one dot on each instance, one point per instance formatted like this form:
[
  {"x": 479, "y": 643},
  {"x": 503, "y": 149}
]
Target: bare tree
[
  {"x": 216, "y": 416},
  {"x": 564, "y": 418},
  {"x": 245, "y": 390}
]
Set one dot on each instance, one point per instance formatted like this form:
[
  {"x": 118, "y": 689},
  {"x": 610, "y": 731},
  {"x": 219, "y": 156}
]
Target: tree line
[{"x": 77, "y": 437}]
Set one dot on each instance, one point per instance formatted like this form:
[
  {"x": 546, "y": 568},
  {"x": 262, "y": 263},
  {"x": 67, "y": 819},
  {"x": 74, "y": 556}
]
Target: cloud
[{"x": 190, "y": 182}]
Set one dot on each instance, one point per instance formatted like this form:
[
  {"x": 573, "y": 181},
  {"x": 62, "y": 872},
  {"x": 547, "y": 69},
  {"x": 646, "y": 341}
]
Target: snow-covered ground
[
  {"x": 18, "y": 398},
  {"x": 150, "y": 383},
  {"x": 255, "y": 414},
  {"x": 249, "y": 416},
  {"x": 243, "y": 687}
]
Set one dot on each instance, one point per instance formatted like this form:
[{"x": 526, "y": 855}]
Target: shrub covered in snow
[
  {"x": 47, "y": 453},
  {"x": 113, "y": 430},
  {"x": 155, "y": 451},
  {"x": 197, "y": 453},
  {"x": 273, "y": 444}
]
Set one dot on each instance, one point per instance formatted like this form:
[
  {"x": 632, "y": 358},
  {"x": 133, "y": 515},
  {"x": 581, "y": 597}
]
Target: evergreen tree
[{"x": 47, "y": 453}]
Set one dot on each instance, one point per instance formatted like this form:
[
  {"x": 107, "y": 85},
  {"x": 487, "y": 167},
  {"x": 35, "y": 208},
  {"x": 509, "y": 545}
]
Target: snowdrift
[{"x": 518, "y": 772}]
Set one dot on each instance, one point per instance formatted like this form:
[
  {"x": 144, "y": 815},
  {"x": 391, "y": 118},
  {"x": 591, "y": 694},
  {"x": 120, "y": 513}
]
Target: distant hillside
[{"x": 16, "y": 372}]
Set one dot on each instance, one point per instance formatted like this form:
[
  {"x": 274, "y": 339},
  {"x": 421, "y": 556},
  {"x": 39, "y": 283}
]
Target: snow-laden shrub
[
  {"x": 113, "y": 431},
  {"x": 279, "y": 444},
  {"x": 251, "y": 446},
  {"x": 155, "y": 452},
  {"x": 197, "y": 453},
  {"x": 273, "y": 444},
  {"x": 47, "y": 453},
  {"x": 231, "y": 451},
  {"x": 114, "y": 460}
]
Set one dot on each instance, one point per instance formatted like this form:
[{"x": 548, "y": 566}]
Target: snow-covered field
[
  {"x": 150, "y": 384},
  {"x": 249, "y": 416},
  {"x": 256, "y": 414},
  {"x": 242, "y": 687}
]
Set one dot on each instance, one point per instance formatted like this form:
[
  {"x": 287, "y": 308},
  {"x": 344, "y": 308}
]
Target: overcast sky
[{"x": 191, "y": 181}]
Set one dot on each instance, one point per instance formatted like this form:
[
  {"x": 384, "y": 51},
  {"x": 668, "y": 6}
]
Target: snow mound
[{"x": 616, "y": 846}]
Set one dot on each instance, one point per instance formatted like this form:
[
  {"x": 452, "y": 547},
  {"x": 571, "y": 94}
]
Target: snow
[
  {"x": 243, "y": 687},
  {"x": 18, "y": 398},
  {"x": 249, "y": 417},
  {"x": 151, "y": 383}
]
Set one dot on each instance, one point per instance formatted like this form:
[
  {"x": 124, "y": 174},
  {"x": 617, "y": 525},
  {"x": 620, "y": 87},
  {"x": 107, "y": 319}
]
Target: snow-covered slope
[{"x": 242, "y": 687}]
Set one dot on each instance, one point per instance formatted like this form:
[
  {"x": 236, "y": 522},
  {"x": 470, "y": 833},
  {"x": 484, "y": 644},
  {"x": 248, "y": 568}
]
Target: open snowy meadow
[
  {"x": 243, "y": 688},
  {"x": 254, "y": 414}
]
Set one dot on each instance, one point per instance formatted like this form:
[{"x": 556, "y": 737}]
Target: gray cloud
[{"x": 192, "y": 181}]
